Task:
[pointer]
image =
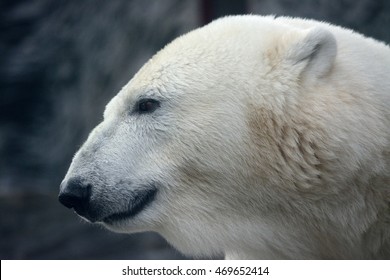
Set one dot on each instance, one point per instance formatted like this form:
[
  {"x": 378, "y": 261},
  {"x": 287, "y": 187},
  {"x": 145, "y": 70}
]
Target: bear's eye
[{"x": 147, "y": 106}]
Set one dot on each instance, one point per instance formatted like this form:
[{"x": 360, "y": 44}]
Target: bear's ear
[{"x": 313, "y": 54}]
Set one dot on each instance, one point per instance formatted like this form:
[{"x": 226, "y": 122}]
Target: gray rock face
[{"x": 61, "y": 62}]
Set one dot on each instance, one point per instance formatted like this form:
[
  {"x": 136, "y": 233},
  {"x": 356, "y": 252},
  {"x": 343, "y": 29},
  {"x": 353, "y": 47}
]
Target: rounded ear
[{"x": 314, "y": 54}]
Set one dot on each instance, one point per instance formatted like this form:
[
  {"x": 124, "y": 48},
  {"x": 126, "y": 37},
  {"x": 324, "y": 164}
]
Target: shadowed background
[{"x": 60, "y": 63}]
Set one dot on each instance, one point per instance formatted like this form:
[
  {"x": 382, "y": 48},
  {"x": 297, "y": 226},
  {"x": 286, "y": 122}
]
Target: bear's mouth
[{"x": 137, "y": 203}]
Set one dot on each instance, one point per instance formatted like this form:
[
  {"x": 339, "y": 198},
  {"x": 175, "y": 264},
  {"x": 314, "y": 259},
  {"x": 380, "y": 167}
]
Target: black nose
[{"x": 74, "y": 193}]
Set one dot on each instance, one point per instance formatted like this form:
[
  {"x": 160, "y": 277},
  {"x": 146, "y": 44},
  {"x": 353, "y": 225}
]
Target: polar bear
[{"x": 253, "y": 137}]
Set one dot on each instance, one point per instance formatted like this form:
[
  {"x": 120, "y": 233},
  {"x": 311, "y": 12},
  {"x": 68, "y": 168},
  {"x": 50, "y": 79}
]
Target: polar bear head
[{"x": 217, "y": 140}]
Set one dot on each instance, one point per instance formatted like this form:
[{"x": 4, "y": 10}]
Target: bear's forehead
[
  {"x": 214, "y": 54},
  {"x": 206, "y": 52}
]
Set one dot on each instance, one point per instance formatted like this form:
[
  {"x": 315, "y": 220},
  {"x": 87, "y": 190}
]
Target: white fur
[{"x": 272, "y": 141}]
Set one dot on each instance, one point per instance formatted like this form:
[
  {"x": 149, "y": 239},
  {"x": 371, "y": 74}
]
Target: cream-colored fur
[{"x": 272, "y": 141}]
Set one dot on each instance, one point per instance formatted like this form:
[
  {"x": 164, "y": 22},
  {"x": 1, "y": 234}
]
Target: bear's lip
[{"x": 137, "y": 203}]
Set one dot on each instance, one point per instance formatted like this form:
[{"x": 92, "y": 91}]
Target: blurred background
[{"x": 60, "y": 63}]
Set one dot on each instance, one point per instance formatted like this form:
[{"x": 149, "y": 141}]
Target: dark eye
[{"x": 147, "y": 106}]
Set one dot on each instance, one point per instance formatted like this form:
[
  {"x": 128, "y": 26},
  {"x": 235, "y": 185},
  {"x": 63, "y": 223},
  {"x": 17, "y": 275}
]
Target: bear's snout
[
  {"x": 74, "y": 193},
  {"x": 84, "y": 197}
]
